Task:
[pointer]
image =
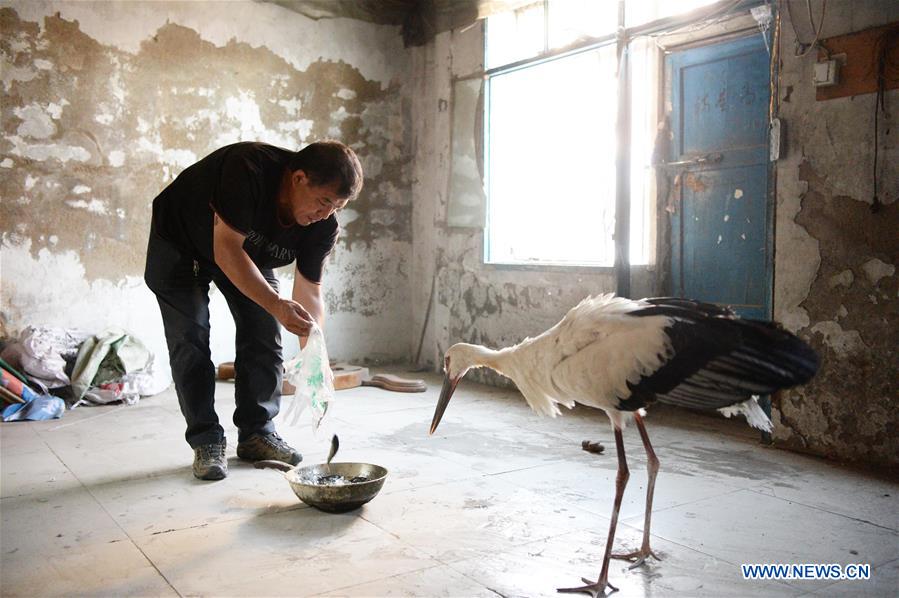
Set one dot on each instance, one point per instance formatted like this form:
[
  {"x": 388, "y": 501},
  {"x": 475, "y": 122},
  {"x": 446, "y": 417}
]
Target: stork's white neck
[
  {"x": 511, "y": 362},
  {"x": 491, "y": 358},
  {"x": 526, "y": 366}
]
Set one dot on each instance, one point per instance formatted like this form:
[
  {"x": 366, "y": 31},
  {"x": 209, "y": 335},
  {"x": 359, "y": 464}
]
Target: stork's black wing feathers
[
  {"x": 718, "y": 359},
  {"x": 670, "y": 306}
]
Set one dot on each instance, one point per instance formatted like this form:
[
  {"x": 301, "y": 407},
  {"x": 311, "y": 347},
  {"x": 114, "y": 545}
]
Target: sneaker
[
  {"x": 259, "y": 447},
  {"x": 209, "y": 461}
]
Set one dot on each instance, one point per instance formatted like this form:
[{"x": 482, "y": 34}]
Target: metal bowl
[{"x": 332, "y": 498}]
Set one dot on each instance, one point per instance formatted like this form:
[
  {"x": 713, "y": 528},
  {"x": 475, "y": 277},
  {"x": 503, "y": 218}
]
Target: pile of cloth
[{"x": 48, "y": 368}]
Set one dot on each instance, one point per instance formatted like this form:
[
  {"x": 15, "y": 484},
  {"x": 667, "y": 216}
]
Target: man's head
[{"x": 322, "y": 178}]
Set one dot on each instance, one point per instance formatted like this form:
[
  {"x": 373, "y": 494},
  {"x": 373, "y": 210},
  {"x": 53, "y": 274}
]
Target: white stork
[{"x": 619, "y": 355}]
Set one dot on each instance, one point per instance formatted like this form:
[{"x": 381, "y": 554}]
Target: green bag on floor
[{"x": 106, "y": 357}]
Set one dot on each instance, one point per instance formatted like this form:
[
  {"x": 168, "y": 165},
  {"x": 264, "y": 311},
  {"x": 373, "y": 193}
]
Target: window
[
  {"x": 551, "y": 162},
  {"x": 550, "y": 134}
]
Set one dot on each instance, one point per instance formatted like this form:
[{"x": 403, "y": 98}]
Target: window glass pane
[
  {"x": 515, "y": 35},
  {"x": 551, "y": 161},
  {"x": 571, "y": 20},
  {"x": 644, "y": 77},
  {"x": 638, "y": 12}
]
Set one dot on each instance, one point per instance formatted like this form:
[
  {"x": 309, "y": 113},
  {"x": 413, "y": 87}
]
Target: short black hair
[{"x": 327, "y": 162}]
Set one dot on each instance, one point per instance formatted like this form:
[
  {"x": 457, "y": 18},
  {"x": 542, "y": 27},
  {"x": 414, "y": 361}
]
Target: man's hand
[{"x": 292, "y": 316}]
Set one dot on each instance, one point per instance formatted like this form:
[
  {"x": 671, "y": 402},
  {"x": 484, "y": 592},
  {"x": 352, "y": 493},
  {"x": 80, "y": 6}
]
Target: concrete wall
[
  {"x": 835, "y": 275},
  {"x": 104, "y": 103}
]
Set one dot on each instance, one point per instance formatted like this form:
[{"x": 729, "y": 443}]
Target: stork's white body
[{"x": 588, "y": 357}]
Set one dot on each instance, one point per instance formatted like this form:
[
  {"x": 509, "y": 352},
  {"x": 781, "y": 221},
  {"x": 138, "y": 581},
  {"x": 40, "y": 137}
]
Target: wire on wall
[
  {"x": 881, "y": 53},
  {"x": 773, "y": 105},
  {"x": 802, "y": 49}
]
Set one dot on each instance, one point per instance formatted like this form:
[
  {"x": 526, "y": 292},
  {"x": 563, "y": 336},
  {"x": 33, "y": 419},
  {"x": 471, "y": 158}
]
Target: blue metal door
[{"x": 721, "y": 217}]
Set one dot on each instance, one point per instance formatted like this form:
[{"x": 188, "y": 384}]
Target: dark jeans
[{"x": 181, "y": 285}]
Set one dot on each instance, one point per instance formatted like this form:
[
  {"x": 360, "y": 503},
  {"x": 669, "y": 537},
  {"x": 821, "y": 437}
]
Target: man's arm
[
  {"x": 309, "y": 295},
  {"x": 227, "y": 247}
]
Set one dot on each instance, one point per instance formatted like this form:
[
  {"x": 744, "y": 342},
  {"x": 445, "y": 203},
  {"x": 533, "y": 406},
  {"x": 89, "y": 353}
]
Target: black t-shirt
[{"x": 240, "y": 183}]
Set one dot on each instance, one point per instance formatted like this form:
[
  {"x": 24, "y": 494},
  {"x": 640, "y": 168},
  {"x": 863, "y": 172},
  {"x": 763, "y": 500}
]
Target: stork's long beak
[{"x": 446, "y": 393}]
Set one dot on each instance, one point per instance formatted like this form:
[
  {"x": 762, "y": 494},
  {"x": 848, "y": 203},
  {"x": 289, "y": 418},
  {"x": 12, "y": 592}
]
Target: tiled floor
[{"x": 498, "y": 503}]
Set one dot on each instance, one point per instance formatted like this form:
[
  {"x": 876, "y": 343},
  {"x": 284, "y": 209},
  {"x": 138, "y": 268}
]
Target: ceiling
[{"x": 420, "y": 20}]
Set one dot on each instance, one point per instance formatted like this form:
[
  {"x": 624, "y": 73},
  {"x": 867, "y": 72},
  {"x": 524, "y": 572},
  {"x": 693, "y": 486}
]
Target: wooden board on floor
[{"x": 345, "y": 376}]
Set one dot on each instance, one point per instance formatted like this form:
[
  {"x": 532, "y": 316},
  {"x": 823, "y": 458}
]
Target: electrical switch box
[{"x": 827, "y": 73}]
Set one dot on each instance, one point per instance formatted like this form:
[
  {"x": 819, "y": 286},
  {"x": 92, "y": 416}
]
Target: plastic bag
[
  {"x": 42, "y": 408},
  {"x": 41, "y": 352},
  {"x": 310, "y": 373}
]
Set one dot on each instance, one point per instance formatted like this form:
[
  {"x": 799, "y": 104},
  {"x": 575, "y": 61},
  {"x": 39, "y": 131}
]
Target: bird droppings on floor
[
  {"x": 592, "y": 447},
  {"x": 498, "y": 501}
]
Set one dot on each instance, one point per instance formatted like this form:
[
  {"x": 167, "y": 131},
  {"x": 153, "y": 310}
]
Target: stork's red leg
[
  {"x": 652, "y": 469},
  {"x": 599, "y": 587}
]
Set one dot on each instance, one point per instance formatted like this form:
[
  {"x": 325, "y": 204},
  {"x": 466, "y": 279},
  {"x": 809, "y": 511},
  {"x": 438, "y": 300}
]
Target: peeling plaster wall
[
  {"x": 104, "y": 103},
  {"x": 835, "y": 271},
  {"x": 472, "y": 302}
]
